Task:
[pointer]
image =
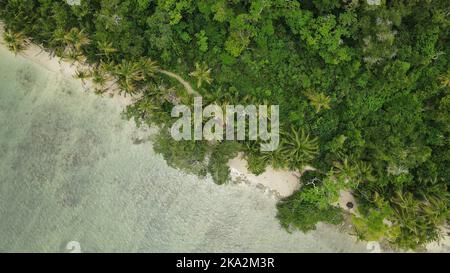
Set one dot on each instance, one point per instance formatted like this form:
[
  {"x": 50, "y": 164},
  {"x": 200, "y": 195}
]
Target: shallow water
[{"x": 69, "y": 171}]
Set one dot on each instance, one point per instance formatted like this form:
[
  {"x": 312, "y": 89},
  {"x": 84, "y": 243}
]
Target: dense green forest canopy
[{"x": 363, "y": 88}]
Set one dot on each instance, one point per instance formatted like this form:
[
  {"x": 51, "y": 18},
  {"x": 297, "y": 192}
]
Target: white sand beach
[
  {"x": 282, "y": 183},
  {"x": 38, "y": 55},
  {"x": 71, "y": 172}
]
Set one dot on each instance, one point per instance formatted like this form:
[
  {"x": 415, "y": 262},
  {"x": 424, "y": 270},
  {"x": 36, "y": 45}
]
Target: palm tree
[
  {"x": 164, "y": 93},
  {"x": 82, "y": 75},
  {"x": 274, "y": 158},
  {"x": 57, "y": 39},
  {"x": 129, "y": 71},
  {"x": 76, "y": 38},
  {"x": 106, "y": 48},
  {"x": 223, "y": 99},
  {"x": 99, "y": 78},
  {"x": 160, "y": 93},
  {"x": 347, "y": 170},
  {"x": 202, "y": 73},
  {"x": 420, "y": 214},
  {"x": 353, "y": 172},
  {"x": 128, "y": 74},
  {"x": 149, "y": 67},
  {"x": 73, "y": 56},
  {"x": 127, "y": 87},
  {"x": 15, "y": 41},
  {"x": 107, "y": 67},
  {"x": 297, "y": 148},
  {"x": 319, "y": 100}
]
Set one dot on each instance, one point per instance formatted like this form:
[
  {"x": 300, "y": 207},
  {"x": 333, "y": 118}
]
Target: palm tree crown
[
  {"x": 298, "y": 148},
  {"x": 150, "y": 68},
  {"x": 77, "y": 38},
  {"x": 129, "y": 73},
  {"x": 319, "y": 101},
  {"x": 106, "y": 48},
  {"x": 202, "y": 73}
]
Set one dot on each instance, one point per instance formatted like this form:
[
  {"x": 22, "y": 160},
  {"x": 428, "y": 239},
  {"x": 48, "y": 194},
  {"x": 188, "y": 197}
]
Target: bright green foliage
[
  {"x": 154, "y": 106},
  {"x": 313, "y": 203},
  {"x": 319, "y": 101},
  {"x": 185, "y": 155},
  {"x": 128, "y": 74},
  {"x": 175, "y": 8},
  {"x": 202, "y": 41},
  {"x": 202, "y": 73},
  {"x": 295, "y": 213},
  {"x": 374, "y": 226},
  {"x": 418, "y": 214},
  {"x": 106, "y": 48},
  {"x": 298, "y": 148},
  {"x": 76, "y": 38},
  {"x": 325, "y": 193},
  {"x": 220, "y": 155}
]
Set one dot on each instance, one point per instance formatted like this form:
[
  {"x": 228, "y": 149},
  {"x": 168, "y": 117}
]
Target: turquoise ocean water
[{"x": 70, "y": 171}]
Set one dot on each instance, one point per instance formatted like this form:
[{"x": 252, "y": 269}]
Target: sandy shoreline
[
  {"x": 39, "y": 56},
  {"x": 280, "y": 183}
]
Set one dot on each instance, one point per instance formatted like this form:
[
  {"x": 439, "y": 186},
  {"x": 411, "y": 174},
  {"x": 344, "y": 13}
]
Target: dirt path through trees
[{"x": 186, "y": 85}]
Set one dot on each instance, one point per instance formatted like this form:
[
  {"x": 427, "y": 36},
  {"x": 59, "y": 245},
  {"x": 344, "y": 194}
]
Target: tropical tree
[
  {"x": 202, "y": 73},
  {"x": 374, "y": 226},
  {"x": 56, "y": 40},
  {"x": 149, "y": 67},
  {"x": 99, "y": 78},
  {"x": 107, "y": 67},
  {"x": 129, "y": 73},
  {"x": 158, "y": 93},
  {"x": 15, "y": 41},
  {"x": 73, "y": 56},
  {"x": 76, "y": 38},
  {"x": 274, "y": 158},
  {"x": 420, "y": 212},
  {"x": 127, "y": 87},
  {"x": 298, "y": 148},
  {"x": 319, "y": 101},
  {"x": 166, "y": 93},
  {"x": 353, "y": 172},
  {"x": 106, "y": 48}
]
